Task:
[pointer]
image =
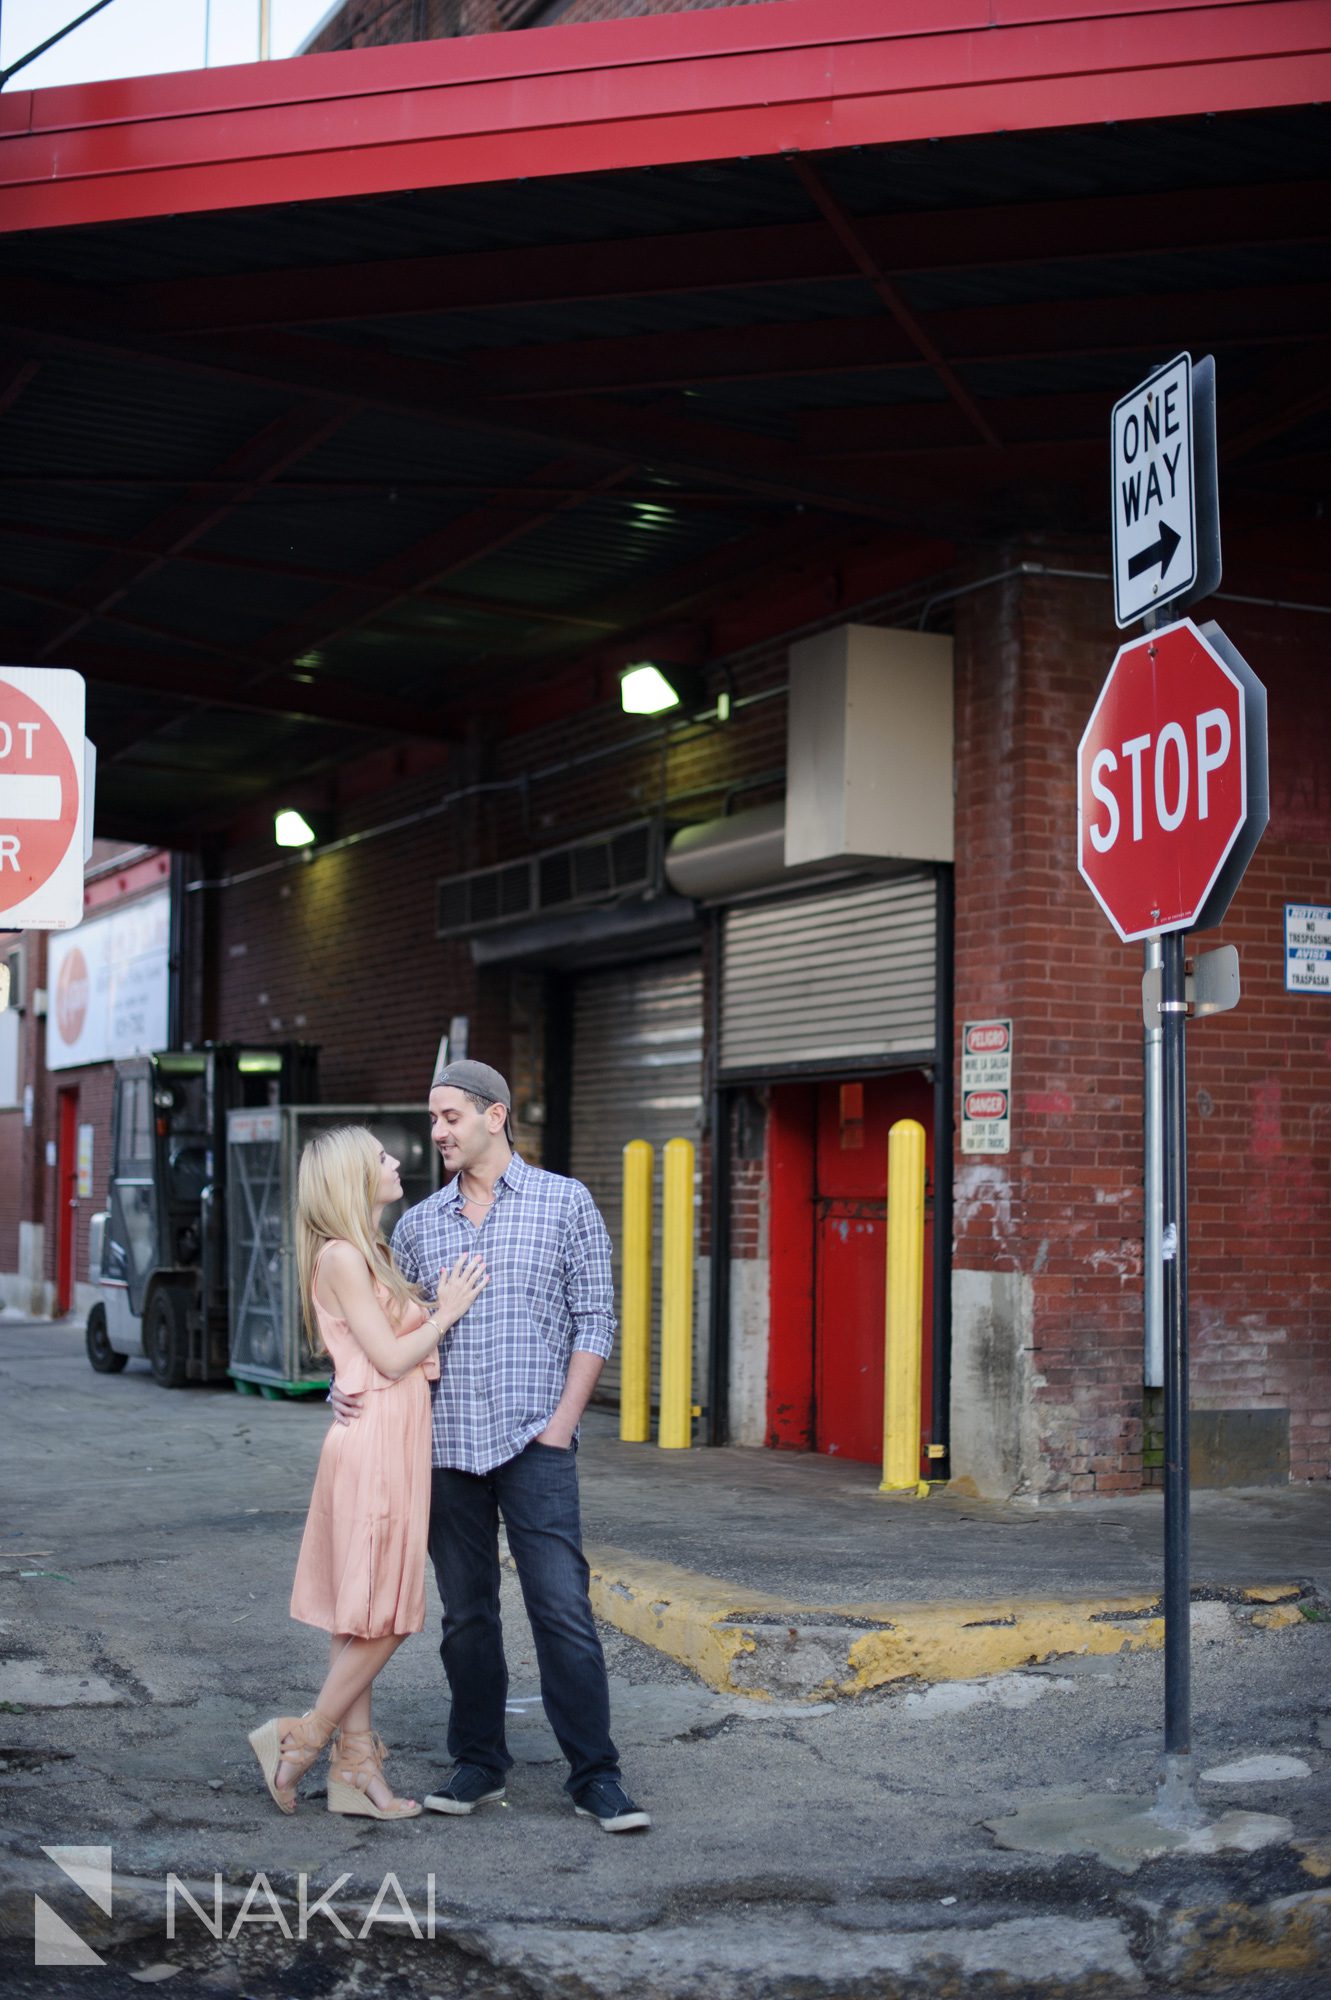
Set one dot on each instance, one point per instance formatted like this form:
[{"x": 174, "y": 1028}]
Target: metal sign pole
[
  {"x": 1153, "y": 1317},
  {"x": 1165, "y": 504},
  {"x": 1165, "y": 1303},
  {"x": 1175, "y": 1799}
]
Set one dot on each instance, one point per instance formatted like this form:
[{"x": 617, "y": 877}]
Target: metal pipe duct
[{"x": 726, "y": 857}]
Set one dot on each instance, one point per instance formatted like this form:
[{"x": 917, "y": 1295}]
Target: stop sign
[{"x": 1171, "y": 781}]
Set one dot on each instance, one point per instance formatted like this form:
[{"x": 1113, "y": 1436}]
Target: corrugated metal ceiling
[{"x": 311, "y": 517}]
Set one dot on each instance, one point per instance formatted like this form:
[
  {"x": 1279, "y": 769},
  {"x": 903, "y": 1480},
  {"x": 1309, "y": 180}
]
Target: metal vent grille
[
  {"x": 846, "y": 976},
  {"x": 605, "y": 868}
]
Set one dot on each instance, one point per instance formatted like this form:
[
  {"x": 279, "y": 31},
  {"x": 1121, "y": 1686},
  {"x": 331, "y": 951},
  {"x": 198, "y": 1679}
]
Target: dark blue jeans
[{"x": 537, "y": 1494}]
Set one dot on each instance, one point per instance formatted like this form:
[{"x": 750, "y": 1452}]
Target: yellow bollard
[
  {"x": 675, "y": 1429},
  {"x": 905, "y": 1309},
  {"x": 635, "y": 1340}
]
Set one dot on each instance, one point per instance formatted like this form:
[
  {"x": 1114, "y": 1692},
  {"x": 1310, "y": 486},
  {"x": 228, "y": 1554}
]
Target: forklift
[{"x": 158, "y": 1251}]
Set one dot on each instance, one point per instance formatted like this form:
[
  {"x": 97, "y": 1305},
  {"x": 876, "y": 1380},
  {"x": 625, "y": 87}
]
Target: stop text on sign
[
  {"x": 1171, "y": 781},
  {"x": 1169, "y": 790}
]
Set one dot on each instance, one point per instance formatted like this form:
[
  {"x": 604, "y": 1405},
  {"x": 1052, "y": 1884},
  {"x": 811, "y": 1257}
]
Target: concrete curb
[{"x": 766, "y": 1649}]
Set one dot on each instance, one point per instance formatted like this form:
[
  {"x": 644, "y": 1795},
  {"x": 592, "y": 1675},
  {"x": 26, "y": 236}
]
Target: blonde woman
[{"x": 361, "y": 1571}]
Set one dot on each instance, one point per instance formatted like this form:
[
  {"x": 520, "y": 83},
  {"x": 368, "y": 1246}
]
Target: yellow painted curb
[
  {"x": 1236, "y": 1941},
  {"x": 746, "y": 1642},
  {"x": 679, "y": 1611},
  {"x": 962, "y": 1642},
  {"x": 1277, "y": 1617}
]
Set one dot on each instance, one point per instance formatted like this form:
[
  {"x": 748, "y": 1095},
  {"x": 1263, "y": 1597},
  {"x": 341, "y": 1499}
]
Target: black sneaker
[
  {"x": 466, "y": 1789},
  {"x": 605, "y": 1799}
]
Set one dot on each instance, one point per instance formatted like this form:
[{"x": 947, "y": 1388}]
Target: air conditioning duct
[
  {"x": 869, "y": 747},
  {"x": 727, "y": 857}
]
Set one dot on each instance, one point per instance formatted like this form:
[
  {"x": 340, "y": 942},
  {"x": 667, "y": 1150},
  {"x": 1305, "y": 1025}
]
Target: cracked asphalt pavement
[{"x": 824, "y": 1849}]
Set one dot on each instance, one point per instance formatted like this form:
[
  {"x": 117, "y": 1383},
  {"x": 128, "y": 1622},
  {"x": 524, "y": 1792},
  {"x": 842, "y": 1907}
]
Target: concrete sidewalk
[{"x": 778, "y": 1575}]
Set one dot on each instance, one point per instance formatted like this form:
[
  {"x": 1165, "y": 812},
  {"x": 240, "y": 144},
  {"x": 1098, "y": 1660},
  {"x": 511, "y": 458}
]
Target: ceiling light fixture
[
  {"x": 645, "y": 690},
  {"x": 292, "y": 829}
]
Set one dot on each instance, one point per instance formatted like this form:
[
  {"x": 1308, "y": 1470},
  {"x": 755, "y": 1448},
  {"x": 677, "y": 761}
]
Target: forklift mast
[{"x": 166, "y": 1224}]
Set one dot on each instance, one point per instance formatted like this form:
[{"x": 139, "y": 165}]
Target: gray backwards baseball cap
[{"x": 476, "y": 1078}]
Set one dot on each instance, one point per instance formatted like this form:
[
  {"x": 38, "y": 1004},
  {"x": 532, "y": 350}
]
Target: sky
[{"x": 138, "y": 37}]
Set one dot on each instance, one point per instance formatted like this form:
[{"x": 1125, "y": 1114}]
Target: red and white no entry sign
[
  {"x": 1171, "y": 781},
  {"x": 41, "y": 798}
]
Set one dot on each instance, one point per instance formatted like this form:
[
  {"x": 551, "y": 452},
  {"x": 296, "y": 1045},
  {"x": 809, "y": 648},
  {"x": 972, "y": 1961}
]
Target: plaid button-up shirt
[{"x": 550, "y": 1295}]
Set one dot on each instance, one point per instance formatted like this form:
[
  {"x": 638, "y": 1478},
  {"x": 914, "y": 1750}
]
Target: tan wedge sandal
[
  {"x": 290, "y": 1739},
  {"x": 357, "y": 1760}
]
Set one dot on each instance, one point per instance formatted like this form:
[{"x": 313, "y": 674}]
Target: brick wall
[
  {"x": 373, "y": 23},
  {"x": 562, "y": 12},
  {"x": 342, "y": 952},
  {"x": 1061, "y": 1214}
]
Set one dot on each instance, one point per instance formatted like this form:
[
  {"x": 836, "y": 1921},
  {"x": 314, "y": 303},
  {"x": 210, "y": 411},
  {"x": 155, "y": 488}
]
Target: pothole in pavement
[{"x": 268, "y": 1968}]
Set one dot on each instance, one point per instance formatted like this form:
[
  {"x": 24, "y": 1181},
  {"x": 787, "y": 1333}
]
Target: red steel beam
[
  {"x": 852, "y": 240},
  {"x": 280, "y": 444},
  {"x": 659, "y": 440},
  {"x": 79, "y": 619},
  {"x": 16, "y": 371},
  {"x": 875, "y": 568},
  {"x": 739, "y": 602},
  {"x": 455, "y": 600},
  {"x": 1254, "y": 315},
  {"x": 283, "y": 490},
  {"x": 1283, "y": 397},
  {"x": 1045, "y": 232},
  {"x": 183, "y": 679},
  {"x": 684, "y": 590},
  {"x": 941, "y": 431},
  {"x": 1295, "y": 386},
  {"x": 806, "y": 76},
  {"x": 415, "y": 571},
  {"x": 660, "y": 437}
]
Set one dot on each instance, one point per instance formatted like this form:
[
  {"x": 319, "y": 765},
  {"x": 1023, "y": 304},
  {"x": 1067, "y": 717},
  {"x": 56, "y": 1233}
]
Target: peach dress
[{"x": 361, "y": 1567}]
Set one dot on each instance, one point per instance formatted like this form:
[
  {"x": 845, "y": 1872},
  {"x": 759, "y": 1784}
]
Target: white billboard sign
[{"x": 108, "y": 986}]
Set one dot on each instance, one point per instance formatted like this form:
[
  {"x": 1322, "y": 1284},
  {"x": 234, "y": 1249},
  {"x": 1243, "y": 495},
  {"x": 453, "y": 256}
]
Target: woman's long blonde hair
[{"x": 336, "y": 1190}]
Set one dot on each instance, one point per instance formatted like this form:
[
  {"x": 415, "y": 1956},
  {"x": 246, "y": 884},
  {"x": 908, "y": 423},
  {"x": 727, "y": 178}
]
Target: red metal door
[
  {"x": 850, "y": 1256},
  {"x": 66, "y": 1198}
]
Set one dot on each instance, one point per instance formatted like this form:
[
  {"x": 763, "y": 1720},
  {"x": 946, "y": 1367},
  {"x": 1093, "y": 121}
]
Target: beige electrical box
[{"x": 869, "y": 747}]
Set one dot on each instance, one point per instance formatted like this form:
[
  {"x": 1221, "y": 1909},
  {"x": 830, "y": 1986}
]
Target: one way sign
[{"x": 1165, "y": 510}]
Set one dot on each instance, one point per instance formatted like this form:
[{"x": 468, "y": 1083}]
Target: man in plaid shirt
[{"x": 516, "y": 1374}]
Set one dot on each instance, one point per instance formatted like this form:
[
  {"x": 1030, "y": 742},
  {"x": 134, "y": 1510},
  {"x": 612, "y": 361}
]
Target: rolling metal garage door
[
  {"x": 850, "y": 975},
  {"x": 637, "y": 1074}
]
